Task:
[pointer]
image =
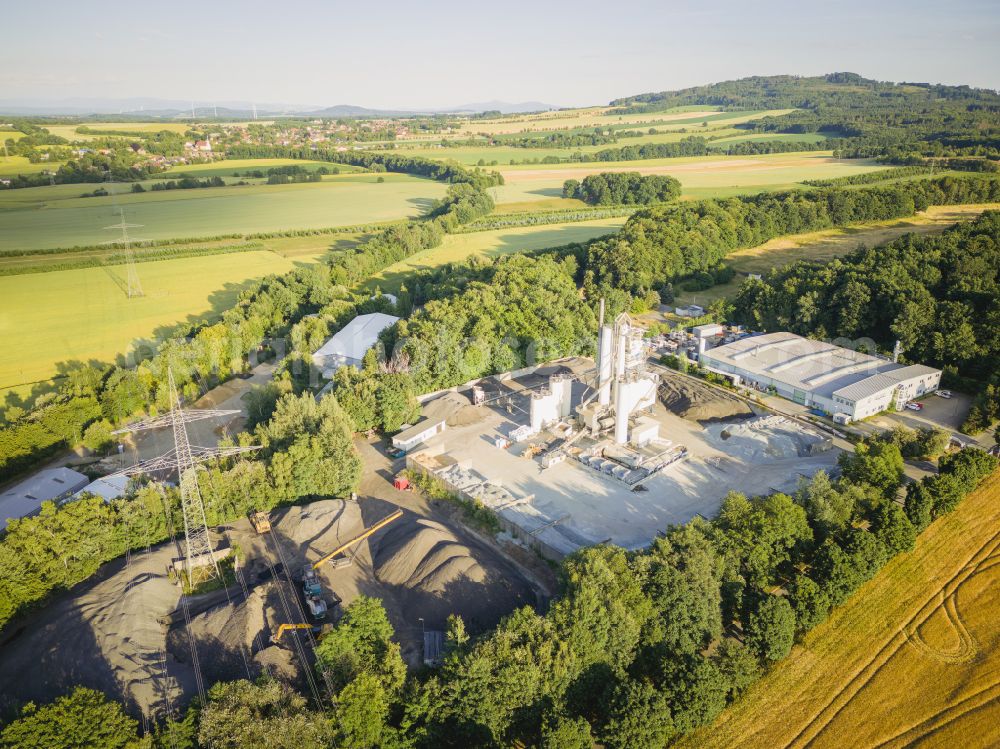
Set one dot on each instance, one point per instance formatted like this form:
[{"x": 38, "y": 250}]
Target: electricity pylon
[
  {"x": 184, "y": 459},
  {"x": 133, "y": 286}
]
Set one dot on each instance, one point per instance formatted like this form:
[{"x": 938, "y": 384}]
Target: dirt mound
[
  {"x": 697, "y": 402},
  {"x": 425, "y": 556}
]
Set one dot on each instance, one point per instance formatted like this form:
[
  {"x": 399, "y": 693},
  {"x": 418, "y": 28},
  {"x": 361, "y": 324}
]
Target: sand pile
[
  {"x": 698, "y": 402},
  {"x": 455, "y": 408},
  {"x": 106, "y": 635},
  {"x": 766, "y": 437},
  {"x": 316, "y": 529},
  {"x": 425, "y": 556}
]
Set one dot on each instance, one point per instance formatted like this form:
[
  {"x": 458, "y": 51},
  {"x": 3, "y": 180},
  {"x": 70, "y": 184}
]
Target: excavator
[{"x": 282, "y": 628}]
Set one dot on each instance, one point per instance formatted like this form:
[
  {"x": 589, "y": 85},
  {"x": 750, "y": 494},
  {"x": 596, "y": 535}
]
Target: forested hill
[{"x": 896, "y": 120}]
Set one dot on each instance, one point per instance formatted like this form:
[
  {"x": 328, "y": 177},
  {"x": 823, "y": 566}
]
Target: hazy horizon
[{"x": 407, "y": 56}]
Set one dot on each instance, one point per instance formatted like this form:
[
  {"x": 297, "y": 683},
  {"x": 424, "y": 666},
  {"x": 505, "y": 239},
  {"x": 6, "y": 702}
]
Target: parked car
[
  {"x": 943, "y": 393},
  {"x": 915, "y": 406}
]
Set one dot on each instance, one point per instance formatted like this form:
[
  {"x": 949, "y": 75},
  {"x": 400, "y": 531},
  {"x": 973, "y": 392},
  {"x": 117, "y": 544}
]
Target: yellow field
[
  {"x": 596, "y": 117},
  {"x": 69, "y": 131},
  {"x": 911, "y": 660},
  {"x": 700, "y": 176}
]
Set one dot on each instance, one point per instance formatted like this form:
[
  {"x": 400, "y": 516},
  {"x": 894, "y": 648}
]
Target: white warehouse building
[
  {"x": 821, "y": 375},
  {"x": 352, "y": 342}
]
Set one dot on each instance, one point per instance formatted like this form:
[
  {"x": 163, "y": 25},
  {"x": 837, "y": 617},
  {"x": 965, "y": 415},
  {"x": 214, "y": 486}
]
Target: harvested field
[
  {"x": 911, "y": 660},
  {"x": 121, "y": 632},
  {"x": 697, "y": 401}
]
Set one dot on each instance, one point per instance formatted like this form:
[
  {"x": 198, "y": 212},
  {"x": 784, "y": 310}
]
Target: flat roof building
[
  {"x": 415, "y": 435},
  {"x": 25, "y": 499},
  {"x": 352, "y": 342},
  {"x": 822, "y": 375}
]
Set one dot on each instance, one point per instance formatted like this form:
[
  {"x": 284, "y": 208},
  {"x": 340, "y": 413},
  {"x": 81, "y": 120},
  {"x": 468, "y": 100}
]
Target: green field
[
  {"x": 227, "y": 167},
  {"x": 84, "y": 314},
  {"x": 44, "y": 217},
  {"x": 457, "y": 247},
  {"x": 11, "y": 165}
]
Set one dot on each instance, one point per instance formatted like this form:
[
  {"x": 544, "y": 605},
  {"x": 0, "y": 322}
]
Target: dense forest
[{"x": 896, "y": 121}]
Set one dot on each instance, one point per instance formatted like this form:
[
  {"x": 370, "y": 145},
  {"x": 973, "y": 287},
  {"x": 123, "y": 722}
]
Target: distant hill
[{"x": 899, "y": 123}]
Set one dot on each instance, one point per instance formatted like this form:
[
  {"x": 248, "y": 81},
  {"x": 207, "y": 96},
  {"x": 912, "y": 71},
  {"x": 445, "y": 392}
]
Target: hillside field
[
  {"x": 458, "y": 247},
  {"x": 46, "y": 217},
  {"x": 83, "y": 315},
  {"x": 911, "y": 660}
]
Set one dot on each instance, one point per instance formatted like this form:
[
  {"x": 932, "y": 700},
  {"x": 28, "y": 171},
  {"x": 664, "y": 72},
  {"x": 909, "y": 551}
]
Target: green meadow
[
  {"x": 83, "y": 315},
  {"x": 47, "y": 217}
]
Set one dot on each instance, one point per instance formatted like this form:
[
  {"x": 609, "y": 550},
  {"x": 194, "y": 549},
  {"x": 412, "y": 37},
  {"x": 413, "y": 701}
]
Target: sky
[{"x": 391, "y": 54}]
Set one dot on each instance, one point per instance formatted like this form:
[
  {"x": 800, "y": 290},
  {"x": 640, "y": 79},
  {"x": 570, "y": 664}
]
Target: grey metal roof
[
  {"x": 866, "y": 387},
  {"x": 417, "y": 429}
]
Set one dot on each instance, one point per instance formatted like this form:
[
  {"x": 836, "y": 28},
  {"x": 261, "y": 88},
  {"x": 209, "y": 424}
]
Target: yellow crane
[{"x": 360, "y": 537}]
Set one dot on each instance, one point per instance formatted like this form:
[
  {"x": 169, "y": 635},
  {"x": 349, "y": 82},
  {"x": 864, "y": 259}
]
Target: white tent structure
[
  {"x": 352, "y": 342},
  {"x": 25, "y": 499}
]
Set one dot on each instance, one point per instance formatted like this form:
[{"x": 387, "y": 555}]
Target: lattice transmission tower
[
  {"x": 133, "y": 285},
  {"x": 184, "y": 459}
]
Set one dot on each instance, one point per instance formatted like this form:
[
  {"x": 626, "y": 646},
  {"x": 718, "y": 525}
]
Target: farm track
[{"x": 943, "y": 599}]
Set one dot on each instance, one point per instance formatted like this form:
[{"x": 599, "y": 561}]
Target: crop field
[
  {"x": 599, "y": 117},
  {"x": 69, "y": 131},
  {"x": 457, "y": 247},
  {"x": 669, "y": 131},
  {"x": 700, "y": 176},
  {"x": 911, "y": 660},
  {"x": 827, "y": 244},
  {"x": 227, "y": 167},
  {"x": 45, "y": 217},
  {"x": 82, "y": 315}
]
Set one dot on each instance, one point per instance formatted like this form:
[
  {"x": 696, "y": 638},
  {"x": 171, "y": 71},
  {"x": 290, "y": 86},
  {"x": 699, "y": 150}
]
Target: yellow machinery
[
  {"x": 360, "y": 537},
  {"x": 282, "y": 628},
  {"x": 260, "y": 522}
]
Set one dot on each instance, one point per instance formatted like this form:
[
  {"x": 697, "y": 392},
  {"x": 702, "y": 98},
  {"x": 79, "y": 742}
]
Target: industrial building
[
  {"x": 352, "y": 342},
  {"x": 846, "y": 384},
  {"x": 25, "y": 499}
]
